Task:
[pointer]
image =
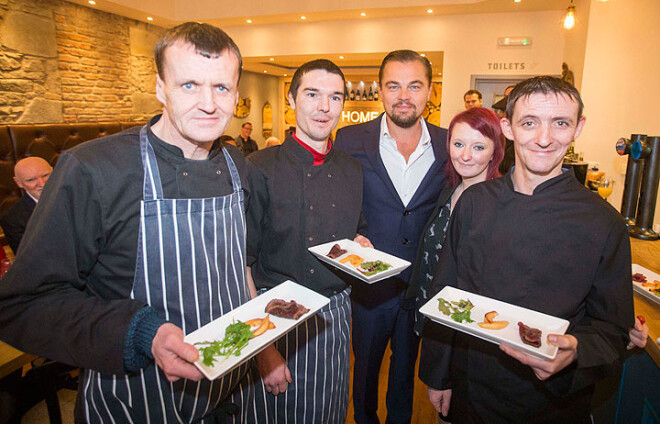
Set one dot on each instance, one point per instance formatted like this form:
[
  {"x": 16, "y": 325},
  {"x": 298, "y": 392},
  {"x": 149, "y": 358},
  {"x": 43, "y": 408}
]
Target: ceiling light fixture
[
  {"x": 516, "y": 1},
  {"x": 363, "y": 14},
  {"x": 92, "y": 2},
  {"x": 149, "y": 18},
  {"x": 341, "y": 57},
  {"x": 249, "y": 21},
  {"x": 303, "y": 17},
  {"x": 569, "y": 16},
  {"x": 429, "y": 10},
  {"x": 286, "y": 75},
  {"x": 271, "y": 59},
  {"x": 265, "y": 71},
  {"x": 423, "y": 55}
]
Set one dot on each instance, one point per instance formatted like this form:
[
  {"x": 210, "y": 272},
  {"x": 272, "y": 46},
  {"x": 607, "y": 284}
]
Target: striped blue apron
[
  {"x": 190, "y": 267},
  {"x": 317, "y": 353}
]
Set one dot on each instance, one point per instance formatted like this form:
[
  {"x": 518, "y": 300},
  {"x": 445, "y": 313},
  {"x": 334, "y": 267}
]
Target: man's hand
[
  {"x": 363, "y": 241},
  {"x": 440, "y": 400},
  {"x": 543, "y": 369},
  {"x": 638, "y": 334},
  {"x": 173, "y": 356},
  {"x": 273, "y": 370}
]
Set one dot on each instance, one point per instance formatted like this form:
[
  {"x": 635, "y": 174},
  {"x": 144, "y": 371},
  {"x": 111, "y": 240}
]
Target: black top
[
  {"x": 66, "y": 295},
  {"x": 296, "y": 205},
  {"x": 15, "y": 220},
  {"x": 428, "y": 254},
  {"x": 247, "y": 147},
  {"x": 562, "y": 251}
]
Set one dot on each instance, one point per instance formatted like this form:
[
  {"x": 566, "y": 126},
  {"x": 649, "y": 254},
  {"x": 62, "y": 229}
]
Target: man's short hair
[
  {"x": 488, "y": 124},
  {"x": 209, "y": 41},
  {"x": 246, "y": 123},
  {"x": 544, "y": 84},
  {"x": 406, "y": 56},
  {"x": 470, "y": 92},
  {"x": 318, "y": 64}
]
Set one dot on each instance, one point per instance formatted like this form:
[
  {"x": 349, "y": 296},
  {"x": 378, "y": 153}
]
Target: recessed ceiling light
[
  {"x": 429, "y": 10},
  {"x": 341, "y": 57},
  {"x": 91, "y": 2},
  {"x": 286, "y": 75},
  {"x": 271, "y": 59},
  {"x": 363, "y": 14},
  {"x": 149, "y": 18},
  {"x": 440, "y": 73},
  {"x": 516, "y": 1},
  {"x": 249, "y": 21},
  {"x": 265, "y": 71},
  {"x": 303, "y": 17},
  {"x": 423, "y": 55}
]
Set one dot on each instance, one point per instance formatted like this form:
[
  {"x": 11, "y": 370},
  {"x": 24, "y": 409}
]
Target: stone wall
[{"x": 61, "y": 62}]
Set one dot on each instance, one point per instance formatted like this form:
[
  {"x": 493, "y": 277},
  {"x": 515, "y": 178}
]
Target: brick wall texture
[{"x": 83, "y": 72}]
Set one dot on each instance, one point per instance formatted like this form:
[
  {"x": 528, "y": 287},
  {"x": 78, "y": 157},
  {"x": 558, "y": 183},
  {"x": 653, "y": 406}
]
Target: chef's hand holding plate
[
  {"x": 173, "y": 355},
  {"x": 273, "y": 370},
  {"x": 544, "y": 369},
  {"x": 363, "y": 241}
]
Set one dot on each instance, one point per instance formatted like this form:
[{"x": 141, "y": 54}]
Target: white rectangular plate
[
  {"x": 506, "y": 312},
  {"x": 215, "y": 330},
  {"x": 367, "y": 253},
  {"x": 650, "y": 277}
]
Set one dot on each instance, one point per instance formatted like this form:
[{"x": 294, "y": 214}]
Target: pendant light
[{"x": 569, "y": 16}]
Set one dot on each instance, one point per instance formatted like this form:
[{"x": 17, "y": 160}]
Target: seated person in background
[
  {"x": 31, "y": 175},
  {"x": 539, "y": 239},
  {"x": 472, "y": 98},
  {"x": 475, "y": 145},
  {"x": 273, "y": 141}
]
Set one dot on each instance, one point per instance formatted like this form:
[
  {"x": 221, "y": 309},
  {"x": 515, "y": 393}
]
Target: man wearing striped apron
[
  {"x": 304, "y": 193},
  {"x": 141, "y": 239}
]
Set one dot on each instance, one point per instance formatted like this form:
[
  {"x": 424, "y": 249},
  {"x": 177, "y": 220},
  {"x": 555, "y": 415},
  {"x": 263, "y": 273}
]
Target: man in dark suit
[
  {"x": 403, "y": 160},
  {"x": 31, "y": 175},
  {"x": 244, "y": 142}
]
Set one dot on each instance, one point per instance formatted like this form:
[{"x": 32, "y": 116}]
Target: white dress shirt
[{"x": 406, "y": 176}]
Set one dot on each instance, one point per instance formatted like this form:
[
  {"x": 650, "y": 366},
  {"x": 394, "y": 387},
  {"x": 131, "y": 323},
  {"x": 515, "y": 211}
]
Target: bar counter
[{"x": 647, "y": 254}]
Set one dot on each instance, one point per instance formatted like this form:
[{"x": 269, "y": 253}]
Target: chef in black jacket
[
  {"x": 534, "y": 238},
  {"x": 305, "y": 193}
]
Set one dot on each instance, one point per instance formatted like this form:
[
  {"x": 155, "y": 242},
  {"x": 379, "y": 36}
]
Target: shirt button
[
  {"x": 309, "y": 174},
  {"x": 185, "y": 173},
  {"x": 311, "y": 208},
  {"x": 329, "y": 175},
  {"x": 404, "y": 241},
  {"x": 334, "y": 236},
  {"x": 406, "y": 213},
  {"x": 311, "y": 271},
  {"x": 311, "y": 238},
  {"x": 218, "y": 172},
  {"x": 333, "y": 205}
]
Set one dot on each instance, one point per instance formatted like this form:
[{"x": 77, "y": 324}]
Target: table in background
[
  {"x": 647, "y": 254},
  {"x": 12, "y": 359}
]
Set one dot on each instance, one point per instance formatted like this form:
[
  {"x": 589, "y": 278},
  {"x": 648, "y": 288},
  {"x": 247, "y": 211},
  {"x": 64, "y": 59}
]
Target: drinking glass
[{"x": 605, "y": 186}]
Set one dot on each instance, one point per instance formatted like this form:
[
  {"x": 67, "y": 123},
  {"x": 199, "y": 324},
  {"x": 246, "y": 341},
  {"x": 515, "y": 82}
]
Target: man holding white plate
[
  {"x": 305, "y": 193},
  {"x": 538, "y": 239}
]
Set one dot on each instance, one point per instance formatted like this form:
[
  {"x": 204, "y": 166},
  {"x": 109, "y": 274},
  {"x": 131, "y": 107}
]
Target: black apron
[{"x": 190, "y": 267}]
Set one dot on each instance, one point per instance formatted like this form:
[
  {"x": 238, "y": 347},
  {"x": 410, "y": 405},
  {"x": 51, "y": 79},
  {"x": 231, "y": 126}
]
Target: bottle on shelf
[
  {"x": 352, "y": 95},
  {"x": 371, "y": 94},
  {"x": 364, "y": 94},
  {"x": 376, "y": 94}
]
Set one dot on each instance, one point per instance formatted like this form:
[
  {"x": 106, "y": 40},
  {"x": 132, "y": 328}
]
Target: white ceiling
[{"x": 226, "y": 13}]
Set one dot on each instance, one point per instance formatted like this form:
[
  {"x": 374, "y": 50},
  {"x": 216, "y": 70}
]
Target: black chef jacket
[
  {"x": 66, "y": 297},
  {"x": 296, "y": 205},
  {"x": 562, "y": 251}
]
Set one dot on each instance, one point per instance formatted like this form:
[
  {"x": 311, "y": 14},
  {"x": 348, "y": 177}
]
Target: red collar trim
[{"x": 319, "y": 158}]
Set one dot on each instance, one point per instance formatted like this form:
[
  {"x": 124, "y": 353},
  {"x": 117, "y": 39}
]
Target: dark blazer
[
  {"x": 392, "y": 227},
  {"x": 14, "y": 221}
]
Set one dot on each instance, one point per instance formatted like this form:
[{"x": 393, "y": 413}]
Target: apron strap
[
  {"x": 152, "y": 188},
  {"x": 235, "y": 179}
]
